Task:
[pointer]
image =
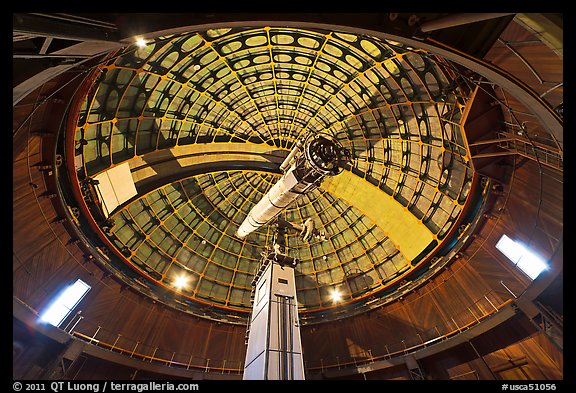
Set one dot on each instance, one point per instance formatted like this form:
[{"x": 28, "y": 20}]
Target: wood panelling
[
  {"x": 463, "y": 372},
  {"x": 535, "y": 207},
  {"x": 529, "y": 359},
  {"x": 512, "y": 351},
  {"x": 397, "y": 373},
  {"x": 91, "y": 368},
  {"x": 547, "y": 64},
  {"x": 157, "y": 327}
]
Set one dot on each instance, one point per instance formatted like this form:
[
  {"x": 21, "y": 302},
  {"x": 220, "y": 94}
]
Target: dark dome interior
[
  {"x": 254, "y": 92},
  {"x": 142, "y": 142}
]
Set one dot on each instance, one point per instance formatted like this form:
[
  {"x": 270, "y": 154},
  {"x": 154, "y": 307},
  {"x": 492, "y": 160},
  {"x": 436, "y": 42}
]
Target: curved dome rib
[{"x": 208, "y": 116}]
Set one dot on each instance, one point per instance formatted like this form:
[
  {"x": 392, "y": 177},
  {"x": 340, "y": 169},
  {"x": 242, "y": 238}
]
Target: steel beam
[
  {"x": 45, "y": 27},
  {"x": 458, "y": 20},
  {"x": 274, "y": 349}
]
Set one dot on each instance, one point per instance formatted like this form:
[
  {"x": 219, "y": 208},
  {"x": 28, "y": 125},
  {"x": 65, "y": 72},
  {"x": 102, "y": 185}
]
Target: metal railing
[
  {"x": 472, "y": 315},
  {"x": 545, "y": 154},
  {"x": 101, "y": 337}
]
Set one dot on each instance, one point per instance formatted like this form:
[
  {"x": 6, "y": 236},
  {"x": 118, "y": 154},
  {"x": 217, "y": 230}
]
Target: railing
[
  {"x": 484, "y": 307},
  {"x": 533, "y": 150},
  {"x": 96, "y": 335},
  {"x": 455, "y": 324}
]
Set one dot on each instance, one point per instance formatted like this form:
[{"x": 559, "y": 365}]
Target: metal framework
[{"x": 398, "y": 111}]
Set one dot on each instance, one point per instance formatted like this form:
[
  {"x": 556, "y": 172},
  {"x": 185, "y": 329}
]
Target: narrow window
[
  {"x": 66, "y": 301},
  {"x": 528, "y": 262}
]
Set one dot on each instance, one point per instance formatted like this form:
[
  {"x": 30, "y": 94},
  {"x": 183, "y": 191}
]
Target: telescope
[{"x": 305, "y": 167}]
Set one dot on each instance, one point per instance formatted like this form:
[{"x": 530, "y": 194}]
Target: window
[
  {"x": 63, "y": 305},
  {"x": 530, "y": 263}
]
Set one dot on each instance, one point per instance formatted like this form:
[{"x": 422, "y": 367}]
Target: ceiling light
[
  {"x": 196, "y": 67},
  {"x": 141, "y": 42},
  {"x": 181, "y": 281},
  {"x": 336, "y": 296}
]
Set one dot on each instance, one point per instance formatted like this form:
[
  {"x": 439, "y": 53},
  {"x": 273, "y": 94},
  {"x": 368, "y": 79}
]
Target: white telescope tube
[
  {"x": 276, "y": 200},
  {"x": 321, "y": 157}
]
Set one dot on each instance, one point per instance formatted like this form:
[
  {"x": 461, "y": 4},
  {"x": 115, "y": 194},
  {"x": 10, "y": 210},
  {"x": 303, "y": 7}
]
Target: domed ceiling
[{"x": 205, "y": 118}]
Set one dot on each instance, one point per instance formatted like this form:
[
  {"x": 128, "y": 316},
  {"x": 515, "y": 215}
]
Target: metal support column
[
  {"x": 416, "y": 372},
  {"x": 274, "y": 347}
]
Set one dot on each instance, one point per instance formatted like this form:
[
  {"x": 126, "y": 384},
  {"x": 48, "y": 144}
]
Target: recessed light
[
  {"x": 181, "y": 281},
  {"x": 336, "y": 296}
]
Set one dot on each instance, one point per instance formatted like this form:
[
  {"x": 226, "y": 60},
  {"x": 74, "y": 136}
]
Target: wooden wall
[
  {"x": 513, "y": 351},
  {"x": 546, "y": 67}
]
